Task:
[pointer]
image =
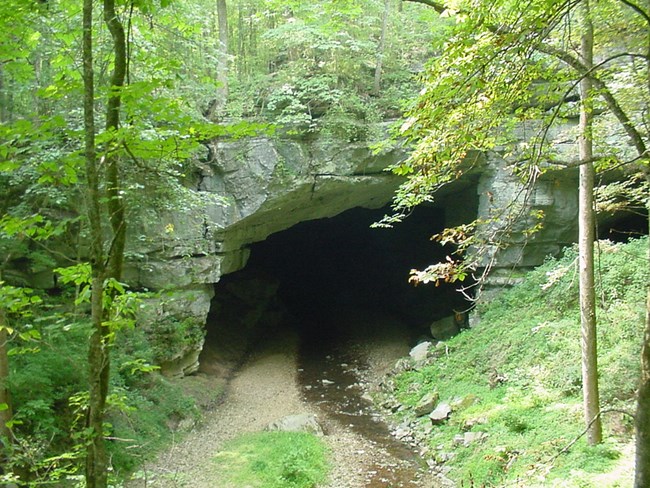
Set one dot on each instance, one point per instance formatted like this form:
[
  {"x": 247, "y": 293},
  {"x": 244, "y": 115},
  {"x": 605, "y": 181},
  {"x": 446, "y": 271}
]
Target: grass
[
  {"x": 273, "y": 460},
  {"x": 522, "y": 363}
]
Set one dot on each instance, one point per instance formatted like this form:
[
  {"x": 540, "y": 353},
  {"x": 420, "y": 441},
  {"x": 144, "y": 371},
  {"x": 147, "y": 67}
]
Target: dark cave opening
[
  {"x": 623, "y": 226},
  {"x": 336, "y": 292},
  {"x": 342, "y": 262},
  {"x": 317, "y": 274}
]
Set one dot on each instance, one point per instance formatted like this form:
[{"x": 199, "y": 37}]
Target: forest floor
[{"x": 266, "y": 388}]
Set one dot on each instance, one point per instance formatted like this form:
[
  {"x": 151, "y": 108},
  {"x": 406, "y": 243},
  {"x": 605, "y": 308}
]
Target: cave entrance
[
  {"x": 313, "y": 274},
  {"x": 322, "y": 266},
  {"x": 340, "y": 287}
]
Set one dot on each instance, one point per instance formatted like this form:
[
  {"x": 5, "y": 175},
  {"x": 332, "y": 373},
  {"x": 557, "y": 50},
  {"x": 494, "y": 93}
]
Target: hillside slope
[{"x": 513, "y": 381}]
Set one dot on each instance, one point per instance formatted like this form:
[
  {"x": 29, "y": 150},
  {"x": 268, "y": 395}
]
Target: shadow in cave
[{"x": 325, "y": 267}]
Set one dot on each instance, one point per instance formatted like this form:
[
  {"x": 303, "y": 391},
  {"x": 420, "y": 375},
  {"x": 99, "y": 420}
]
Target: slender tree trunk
[
  {"x": 98, "y": 350},
  {"x": 222, "y": 71},
  {"x": 642, "y": 472},
  {"x": 252, "y": 37},
  {"x": 116, "y": 210},
  {"x": 240, "y": 43},
  {"x": 96, "y": 459},
  {"x": 6, "y": 412},
  {"x": 586, "y": 226},
  {"x": 216, "y": 106},
  {"x": 642, "y": 420},
  {"x": 3, "y": 96},
  {"x": 381, "y": 48}
]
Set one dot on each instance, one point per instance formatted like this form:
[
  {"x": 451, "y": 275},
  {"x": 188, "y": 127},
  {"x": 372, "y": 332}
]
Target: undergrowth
[
  {"x": 48, "y": 383},
  {"x": 273, "y": 460},
  {"x": 516, "y": 377}
]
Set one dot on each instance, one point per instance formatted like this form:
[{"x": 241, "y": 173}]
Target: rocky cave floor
[{"x": 266, "y": 388}]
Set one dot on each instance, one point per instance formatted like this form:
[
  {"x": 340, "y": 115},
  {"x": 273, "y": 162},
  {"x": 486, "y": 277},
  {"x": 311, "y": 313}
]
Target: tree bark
[
  {"x": 98, "y": 349},
  {"x": 96, "y": 459},
  {"x": 642, "y": 461},
  {"x": 381, "y": 48},
  {"x": 5, "y": 396},
  {"x": 3, "y": 97},
  {"x": 642, "y": 418},
  {"x": 586, "y": 231},
  {"x": 217, "y": 105},
  {"x": 116, "y": 210}
]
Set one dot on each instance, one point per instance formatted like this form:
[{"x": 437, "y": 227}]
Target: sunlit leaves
[
  {"x": 448, "y": 271},
  {"x": 17, "y": 300},
  {"x": 138, "y": 366}
]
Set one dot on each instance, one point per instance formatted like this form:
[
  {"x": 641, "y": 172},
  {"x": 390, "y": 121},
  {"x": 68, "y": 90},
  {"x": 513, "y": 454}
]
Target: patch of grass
[
  {"x": 522, "y": 363},
  {"x": 273, "y": 460}
]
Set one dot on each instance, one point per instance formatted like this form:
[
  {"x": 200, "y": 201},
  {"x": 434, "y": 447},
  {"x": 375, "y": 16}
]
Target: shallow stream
[{"x": 331, "y": 379}]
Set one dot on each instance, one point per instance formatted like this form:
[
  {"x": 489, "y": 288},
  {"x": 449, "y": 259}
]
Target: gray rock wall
[
  {"x": 244, "y": 191},
  {"x": 249, "y": 189}
]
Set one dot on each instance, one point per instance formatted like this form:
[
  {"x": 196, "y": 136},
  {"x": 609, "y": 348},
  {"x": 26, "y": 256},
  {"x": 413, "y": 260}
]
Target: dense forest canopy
[{"x": 109, "y": 104}]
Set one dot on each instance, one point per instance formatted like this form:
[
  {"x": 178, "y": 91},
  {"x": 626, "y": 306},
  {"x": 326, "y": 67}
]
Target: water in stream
[{"x": 330, "y": 377}]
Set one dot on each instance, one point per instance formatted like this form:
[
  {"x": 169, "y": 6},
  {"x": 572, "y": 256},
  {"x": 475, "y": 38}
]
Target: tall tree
[
  {"x": 381, "y": 48},
  {"x": 642, "y": 459},
  {"x": 96, "y": 464},
  {"x": 103, "y": 266},
  {"x": 217, "y": 105},
  {"x": 642, "y": 417},
  {"x": 586, "y": 237},
  {"x": 6, "y": 411}
]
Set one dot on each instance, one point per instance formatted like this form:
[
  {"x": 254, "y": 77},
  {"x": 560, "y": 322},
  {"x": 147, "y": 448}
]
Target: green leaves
[
  {"x": 138, "y": 366},
  {"x": 79, "y": 274},
  {"x": 15, "y": 300}
]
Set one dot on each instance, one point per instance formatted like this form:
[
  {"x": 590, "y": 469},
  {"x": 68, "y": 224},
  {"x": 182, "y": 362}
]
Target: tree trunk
[
  {"x": 642, "y": 420},
  {"x": 5, "y": 396},
  {"x": 98, "y": 350},
  {"x": 3, "y": 96},
  {"x": 642, "y": 471},
  {"x": 6, "y": 413},
  {"x": 381, "y": 48},
  {"x": 241, "y": 38},
  {"x": 216, "y": 106},
  {"x": 96, "y": 459},
  {"x": 586, "y": 226},
  {"x": 116, "y": 211},
  {"x": 98, "y": 364}
]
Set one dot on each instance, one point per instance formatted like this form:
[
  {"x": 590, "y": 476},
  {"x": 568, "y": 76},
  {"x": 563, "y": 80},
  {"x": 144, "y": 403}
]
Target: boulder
[
  {"x": 468, "y": 438},
  {"x": 420, "y": 352},
  {"x": 440, "y": 414},
  {"x": 464, "y": 402},
  {"x": 302, "y": 422},
  {"x": 427, "y": 403},
  {"x": 448, "y": 327}
]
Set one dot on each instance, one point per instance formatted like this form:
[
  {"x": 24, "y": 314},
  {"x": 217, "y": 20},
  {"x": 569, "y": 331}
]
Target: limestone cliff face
[
  {"x": 241, "y": 193},
  {"x": 248, "y": 189}
]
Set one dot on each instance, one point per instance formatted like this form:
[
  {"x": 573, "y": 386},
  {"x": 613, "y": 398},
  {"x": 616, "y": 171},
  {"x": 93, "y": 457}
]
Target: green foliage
[
  {"x": 501, "y": 83},
  {"x": 296, "y": 62},
  {"x": 273, "y": 460},
  {"x": 49, "y": 392},
  {"x": 170, "y": 335},
  {"x": 522, "y": 363}
]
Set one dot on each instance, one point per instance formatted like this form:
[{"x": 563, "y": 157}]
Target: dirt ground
[{"x": 263, "y": 390}]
